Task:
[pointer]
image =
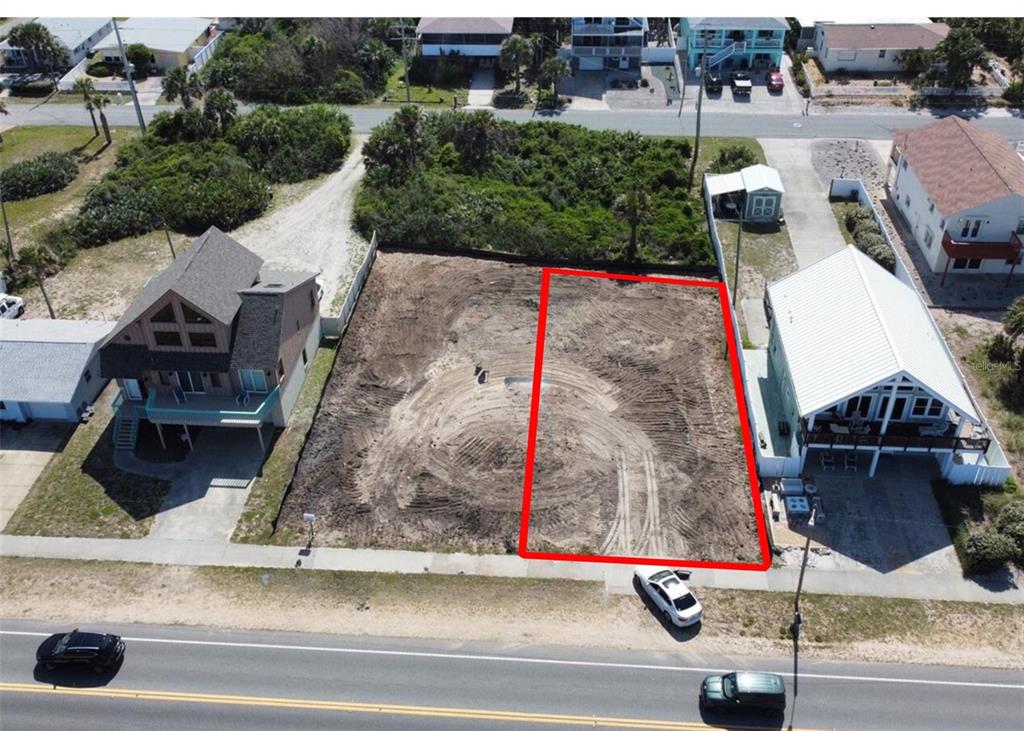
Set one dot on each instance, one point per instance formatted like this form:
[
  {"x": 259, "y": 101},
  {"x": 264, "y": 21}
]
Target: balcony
[
  {"x": 602, "y": 29},
  {"x": 907, "y": 436},
  {"x": 164, "y": 408},
  {"x": 1008, "y": 251},
  {"x": 607, "y": 51}
]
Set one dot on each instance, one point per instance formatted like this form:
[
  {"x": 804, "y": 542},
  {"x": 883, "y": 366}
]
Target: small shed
[{"x": 754, "y": 192}]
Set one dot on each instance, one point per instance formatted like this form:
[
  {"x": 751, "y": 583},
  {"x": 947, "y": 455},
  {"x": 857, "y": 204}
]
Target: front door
[
  {"x": 762, "y": 206},
  {"x": 132, "y": 389},
  {"x": 898, "y": 408}
]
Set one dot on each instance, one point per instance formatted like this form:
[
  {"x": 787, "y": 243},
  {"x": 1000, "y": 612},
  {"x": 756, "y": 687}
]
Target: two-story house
[
  {"x": 216, "y": 339},
  {"x": 734, "y": 43},
  {"x": 478, "y": 38},
  {"x": 615, "y": 43},
  {"x": 78, "y": 37},
  {"x": 960, "y": 189}
]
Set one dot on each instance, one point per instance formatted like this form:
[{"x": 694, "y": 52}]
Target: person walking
[{"x": 807, "y": 107}]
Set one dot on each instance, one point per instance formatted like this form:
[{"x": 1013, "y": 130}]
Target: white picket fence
[{"x": 335, "y": 326}]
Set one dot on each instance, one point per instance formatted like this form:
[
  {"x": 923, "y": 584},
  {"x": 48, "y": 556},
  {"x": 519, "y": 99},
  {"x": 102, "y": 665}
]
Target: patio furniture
[
  {"x": 861, "y": 429},
  {"x": 797, "y": 506},
  {"x": 828, "y": 462},
  {"x": 776, "y": 506},
  {"x": 932, "y": 430},
  {"x": 850, "y": 462},
  {"x": 783, "y": 428},
  {"x": 838, "y": 429},
  {"x": 810, "y": 490},
  {"x": 791, "y": 486},
  {"x": 242, "y": 399}
]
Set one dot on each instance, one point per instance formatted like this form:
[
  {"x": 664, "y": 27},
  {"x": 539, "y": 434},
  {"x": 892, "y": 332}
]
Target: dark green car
[{"x": 744, "y": 691}]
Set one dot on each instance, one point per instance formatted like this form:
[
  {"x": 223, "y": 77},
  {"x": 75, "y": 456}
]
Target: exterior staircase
[{"x": 126, "y": 424}]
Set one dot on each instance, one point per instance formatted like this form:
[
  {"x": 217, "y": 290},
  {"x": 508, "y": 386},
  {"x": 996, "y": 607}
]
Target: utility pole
[
  {"x": 700, "y": 97},
  {"x": 128, "y": 75},
  {"x": 736, "y": 274},
  {"x": 401, "y": 27},
  {"x": 7, "y": 228},
  {"x": 797, "y": 620}
]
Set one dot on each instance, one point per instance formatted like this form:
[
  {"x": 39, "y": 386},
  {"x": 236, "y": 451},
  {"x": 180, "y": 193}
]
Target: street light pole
[
  {"x": 7, "y": 228},
  {"x": 129, "y": 74},
  {"x": 803, "y": 567}
]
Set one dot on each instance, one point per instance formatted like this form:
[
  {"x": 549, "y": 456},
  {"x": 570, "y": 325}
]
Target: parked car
[
  {"x": 740, "y": 83},
  {"x": 773, "y": 80},
  {"x": 744, "y": 691},
  {"x": 11, "y": 307},
  {"x": 712, "y": 82},
  {"x": 668, "y": 591},
  {"x": 99, "y": 651}
]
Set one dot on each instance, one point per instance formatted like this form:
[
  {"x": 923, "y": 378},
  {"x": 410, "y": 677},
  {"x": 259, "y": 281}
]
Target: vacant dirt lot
[{"x": 420, "y": 441}]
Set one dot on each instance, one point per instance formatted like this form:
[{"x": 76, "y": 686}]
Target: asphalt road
[
  {"x": 856, "y": 125},
  {"x": 175, "y": 677}
]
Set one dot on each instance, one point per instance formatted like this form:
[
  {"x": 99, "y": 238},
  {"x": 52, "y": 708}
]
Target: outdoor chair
[
  {"x": 850, "y": 462},
  {"x": 242, "y": 399},
  {"x": 828, "y": 462},
  {"x": 932, "y": 430}
]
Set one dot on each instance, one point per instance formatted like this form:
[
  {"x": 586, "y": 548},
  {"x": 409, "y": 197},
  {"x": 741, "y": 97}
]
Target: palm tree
[
  {"x": 87, "y": 89},
  {"x": 516, "y": 53},
  {"x": 100, "y": 101},
  {"x": 633, "y": 207},
  {"x": 3, "y": 111},
  {"x": 220, "y": 106},
  {"x": 179, "y": 83},
  {"x": 551, "y": 71},
  {"x": 1013, "y": 320},
  {"x": 37, "y": 258}
]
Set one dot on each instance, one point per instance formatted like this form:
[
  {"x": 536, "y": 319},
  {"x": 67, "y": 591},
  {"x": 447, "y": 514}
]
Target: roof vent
[{"x": 872, "y": 27}]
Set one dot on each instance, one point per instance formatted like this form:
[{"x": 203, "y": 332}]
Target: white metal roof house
[
  {"x": 50, "y": 368},
  {"x": 855, "y": 363},
  {"x": 78, "y": 35},
  {"x": 173, "y": 41},
  {"x": 473, "y": 37},
  {"x": 960, "y": 188},
  {"x": 756, "y": 191}
]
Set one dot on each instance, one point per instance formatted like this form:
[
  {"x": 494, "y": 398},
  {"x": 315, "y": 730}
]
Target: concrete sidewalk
[{"x": 617, "y": 579}]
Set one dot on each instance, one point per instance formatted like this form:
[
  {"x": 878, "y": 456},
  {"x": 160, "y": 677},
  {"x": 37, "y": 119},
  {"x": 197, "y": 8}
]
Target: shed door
[{"x": 763, "y": 206}]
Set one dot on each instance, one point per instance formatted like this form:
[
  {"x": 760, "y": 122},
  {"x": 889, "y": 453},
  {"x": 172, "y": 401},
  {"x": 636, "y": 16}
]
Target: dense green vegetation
[
  {"x": 46, "y": 173},
  {"x": 303, "y": 60},
  {"x": 470, "y": 180}
]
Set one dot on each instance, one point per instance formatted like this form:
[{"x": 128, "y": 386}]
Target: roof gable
[
  {"x": 960, "y": 164},
  {"x": 847, "y": 324},
  {"x": 465, "y": 25},
  {"x": 887, "y": 35}
]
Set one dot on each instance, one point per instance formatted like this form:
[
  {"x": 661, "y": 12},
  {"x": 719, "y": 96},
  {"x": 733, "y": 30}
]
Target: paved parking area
[
  {"x": 788, "y": 101},
  {"x": 24, "y": 453},
  {"x": 889, "y": 523}
]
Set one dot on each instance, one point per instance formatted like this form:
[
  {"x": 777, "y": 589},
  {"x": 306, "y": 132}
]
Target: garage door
[
  {"x": 39, "y": 410},
  {"x": 591, "y": 64}
]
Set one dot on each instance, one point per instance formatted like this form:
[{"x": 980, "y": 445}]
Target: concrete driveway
[
  {"x": 23, "y": 456},
  {"x": 812, "y": 226},
  {"x": 315, "y": 231},
  {"x": 481, "y": 88}
]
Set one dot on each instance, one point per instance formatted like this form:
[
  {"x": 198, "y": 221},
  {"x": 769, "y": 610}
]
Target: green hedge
[{"x": 46, "y": 173}]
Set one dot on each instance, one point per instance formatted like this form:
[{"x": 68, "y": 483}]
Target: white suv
[
  {"x": 11, "y": 307},
  {"x": 670, "y": 593}
]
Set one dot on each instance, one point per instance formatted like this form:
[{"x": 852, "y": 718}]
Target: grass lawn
[
  {"x": 82, "y": 493},
  {"x": 439, "y": 95},
  {"x": 839, "y": 210},
  {"x": 30, "y": 218},
  {"x": 709, "y": 147},
  {"x": 256, "y": 524}
]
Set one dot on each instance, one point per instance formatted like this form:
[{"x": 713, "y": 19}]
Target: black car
[
  {"x": 741, "y": 83},
  {"x": 101, "y": 652},
  {"x": 712, "y": 82},
  {"x": 744, "y": 691}
]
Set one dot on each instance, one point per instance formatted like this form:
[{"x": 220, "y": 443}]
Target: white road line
[{"x": 534, "y": 660}]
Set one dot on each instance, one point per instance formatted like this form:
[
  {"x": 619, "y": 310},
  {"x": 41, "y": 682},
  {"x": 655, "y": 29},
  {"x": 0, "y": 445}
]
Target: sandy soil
[
  {"x": 421, "y": 436},
  {"x": 569, "y": 613},
  {"x": 314, "y": 232}
]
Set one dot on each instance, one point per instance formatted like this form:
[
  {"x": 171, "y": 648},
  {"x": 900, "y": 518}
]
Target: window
[
  {"x": 312, "y": 300},
  {"x": 202, "y": 340},
  {"x": 192, "y": 317},
  {"x": 191, "y": 382},
  {"x": 215, "y": 380},
  {"x": 1020, "y": 226},
  {"x": 280, "y": 369},
  {"x": 971, "y": 228},
  {"x": 858, "y": 406},
  {"x": 908, "y": 202},
  {"x": 167, "y": 338},
  {"x": 253, "y": 380},
  {"x": 87, "y": 376},
  {"x": 304, "y": 358},
  {"x": 881, "y": 53},
  {"x": 974, "y": 263},
  {"x": 3, "y": 406},
  {"x": 930, "y": 407},
  {"x": 166, "y": 314},
  {"x": 929, "y": 237}
]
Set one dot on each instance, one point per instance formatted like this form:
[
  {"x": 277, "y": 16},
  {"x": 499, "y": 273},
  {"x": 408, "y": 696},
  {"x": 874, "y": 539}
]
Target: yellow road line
[{"x": 350, "y": 707}]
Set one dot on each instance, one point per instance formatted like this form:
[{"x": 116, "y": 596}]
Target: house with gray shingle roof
[
  {"x": 472, "y": 37},
  {"x": 216, "y": 339},
  {"x": 960, "y": 189},
  {"x": 51, "y": 368}
]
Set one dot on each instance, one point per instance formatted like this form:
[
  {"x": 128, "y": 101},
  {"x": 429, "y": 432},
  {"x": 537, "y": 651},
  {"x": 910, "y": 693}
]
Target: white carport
[{"x": 755, "y": 190}]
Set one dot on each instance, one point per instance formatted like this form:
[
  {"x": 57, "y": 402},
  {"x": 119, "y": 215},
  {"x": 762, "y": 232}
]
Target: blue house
[{"x": 738, "y": 43}]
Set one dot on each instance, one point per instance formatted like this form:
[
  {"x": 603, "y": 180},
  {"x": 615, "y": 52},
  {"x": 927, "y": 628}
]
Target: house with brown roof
[
  {"x": 960, "y": 189},
  {"x": 479, "y": 38},
  {"x": 215, "y": 340},
  {"x": 873, "y": 48}
]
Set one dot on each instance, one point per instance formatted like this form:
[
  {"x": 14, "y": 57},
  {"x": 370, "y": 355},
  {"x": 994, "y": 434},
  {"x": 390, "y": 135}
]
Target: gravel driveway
[{"x": 315, "y": 232}]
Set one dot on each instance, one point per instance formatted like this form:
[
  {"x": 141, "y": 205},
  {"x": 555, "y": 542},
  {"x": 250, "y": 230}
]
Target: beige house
[
  {"x": 873, "y": 48},
  {"x": 173, "y": 41}
]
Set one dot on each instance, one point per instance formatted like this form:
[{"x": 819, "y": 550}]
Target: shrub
[
  {"x": 99, "y": 70},
  {"x": 1010, "y": 522},
  {"x": 865, "y": 227},
  {"x": 183, "y": 125},
  {"x": 1000, "y": 349},
  {"x": 288, "y": 145},
  {"x": 46, "y": 173},
  {"x": 1010, "y": 486},
  {"x": 1014, "y": 93},
  {"x": 347, "y": 88},
  {"x": 510, "y": 99},
  {"x": 35, "y": 88},
  {"x": 987, "y": 550},
  {"x": 855, "y": 215},
  {"x": 883, "y": 255},
  {"x": 731, "y": 158}
]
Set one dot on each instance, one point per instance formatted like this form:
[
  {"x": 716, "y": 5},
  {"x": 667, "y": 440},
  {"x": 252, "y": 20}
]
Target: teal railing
[{"x": 195, "y": 412}]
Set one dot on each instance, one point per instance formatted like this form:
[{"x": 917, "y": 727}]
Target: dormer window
[
  {"x": 192, "y": 317},
  {"x": 165, "y": 314}
]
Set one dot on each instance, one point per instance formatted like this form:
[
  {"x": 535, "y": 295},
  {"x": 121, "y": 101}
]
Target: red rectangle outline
[{"x": 748, "y": 446}]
